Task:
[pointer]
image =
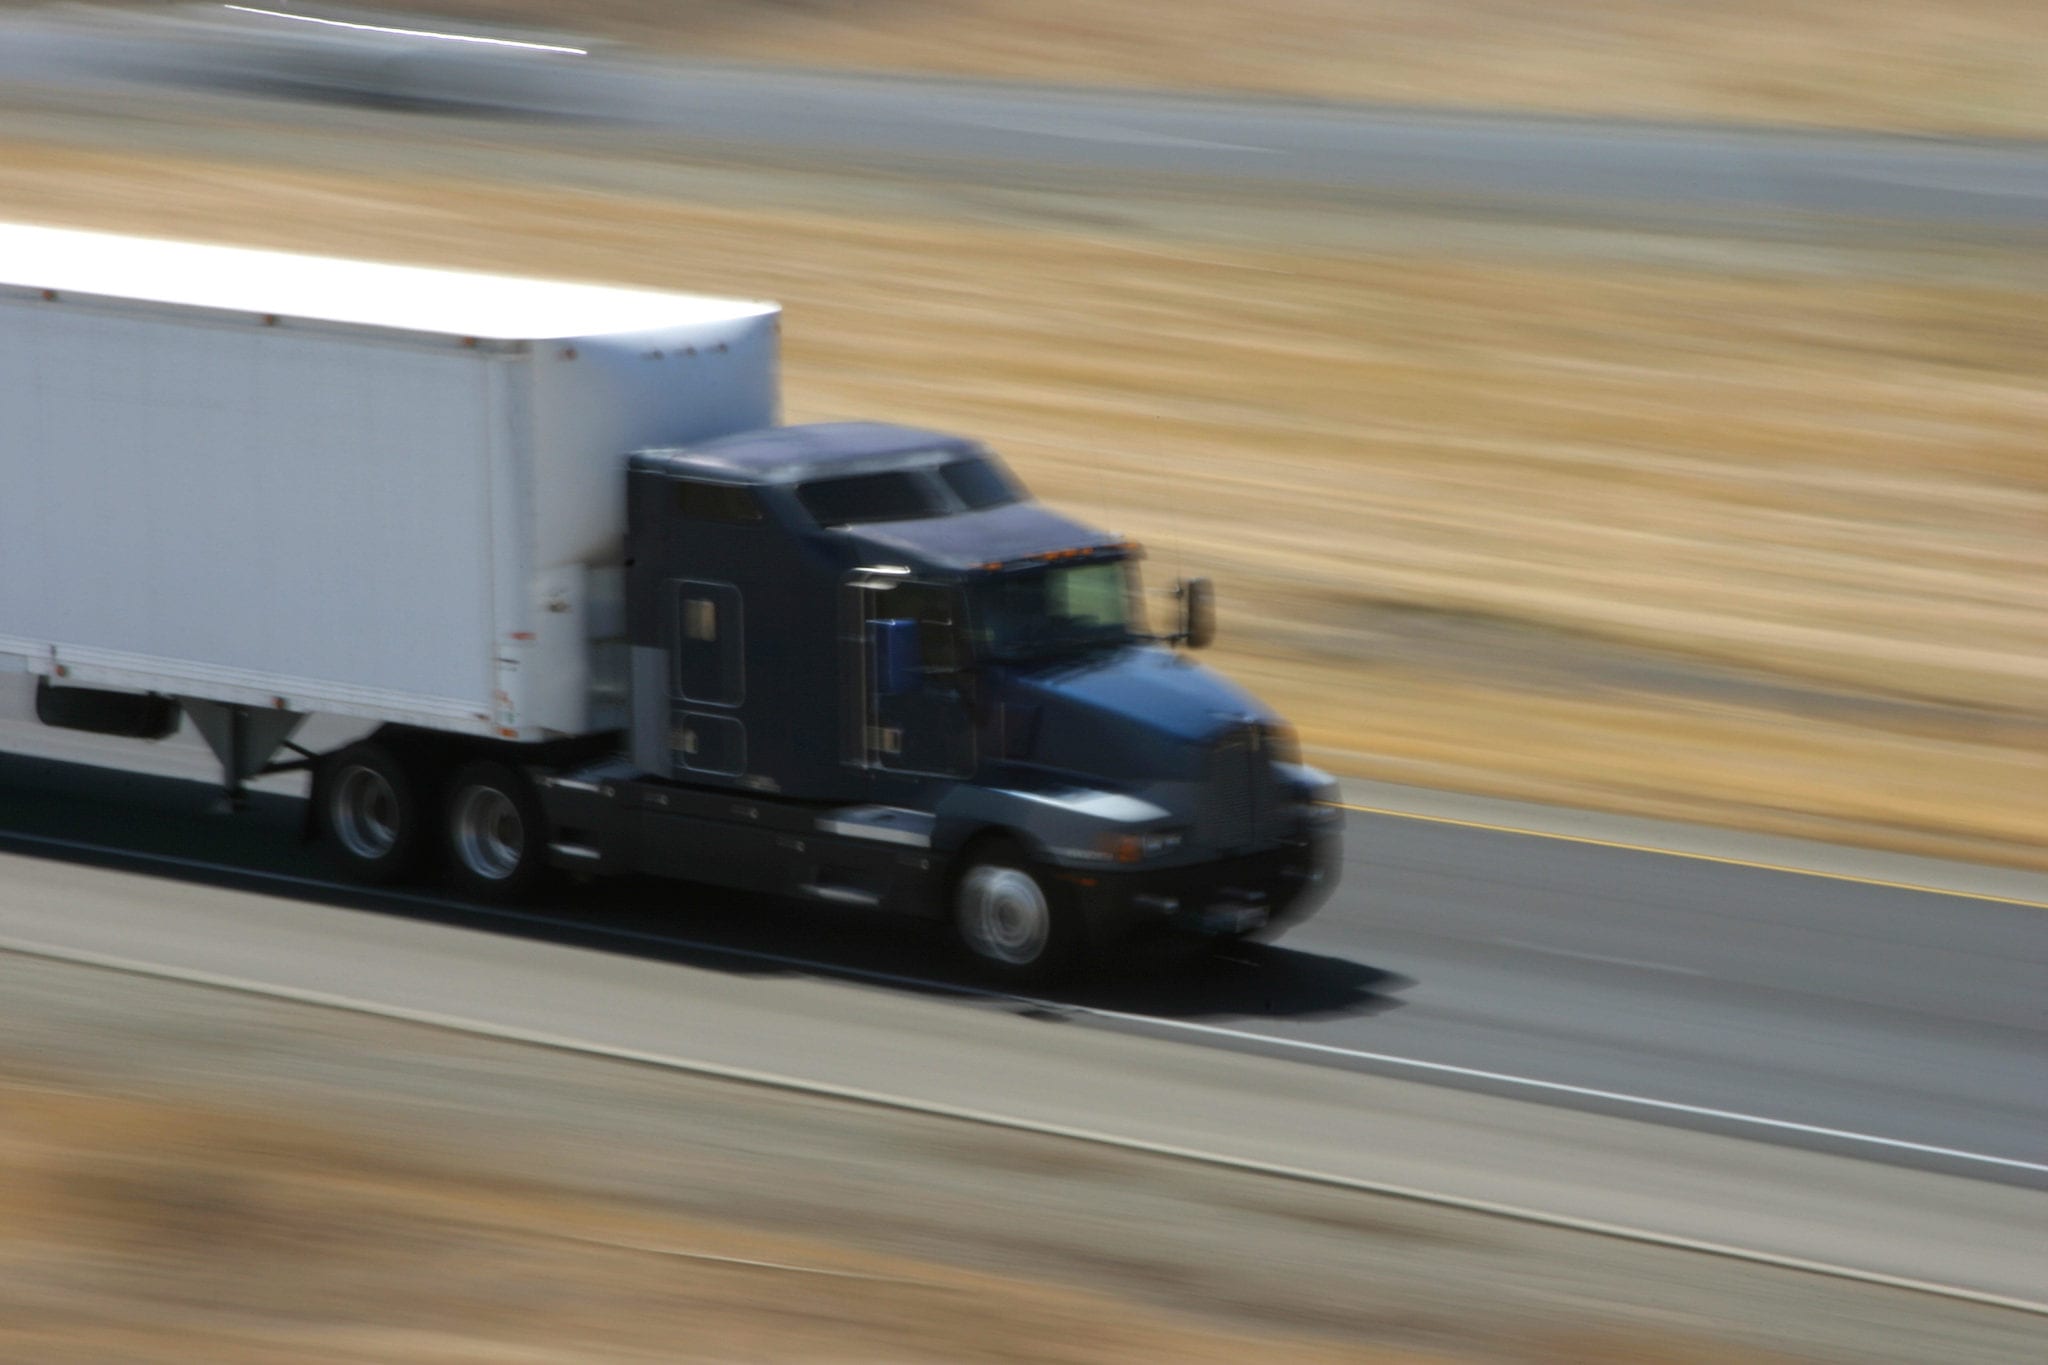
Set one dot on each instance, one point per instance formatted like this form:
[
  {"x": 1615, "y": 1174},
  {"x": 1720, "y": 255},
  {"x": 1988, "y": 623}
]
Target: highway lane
[
  {"x": 997, "y": 1059},
  {"x": 1246, "y": 148},
  {"x": 1917, "y": 1016},
  {"x": 1909, "y": 1025}
]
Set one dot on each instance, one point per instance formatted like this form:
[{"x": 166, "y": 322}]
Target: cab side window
[{"x": 728, "y": 504}]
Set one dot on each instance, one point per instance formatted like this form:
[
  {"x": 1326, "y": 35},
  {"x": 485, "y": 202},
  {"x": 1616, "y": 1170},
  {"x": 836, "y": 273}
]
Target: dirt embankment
[
  {"x": 163, "y": 1231},
  {"x": 195, "y": 1177}
]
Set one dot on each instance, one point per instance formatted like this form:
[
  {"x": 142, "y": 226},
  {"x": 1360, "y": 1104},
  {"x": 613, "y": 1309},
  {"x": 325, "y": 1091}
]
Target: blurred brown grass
[
  {"x": 183, "y": 1228},
  {"x": 1965, "y": 66},
  {"x": 142, "y": 1229},
  {"x": 1969, "y": 66}
]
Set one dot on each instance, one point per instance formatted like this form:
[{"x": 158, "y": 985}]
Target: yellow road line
[{"x": 1696, "y": 857}]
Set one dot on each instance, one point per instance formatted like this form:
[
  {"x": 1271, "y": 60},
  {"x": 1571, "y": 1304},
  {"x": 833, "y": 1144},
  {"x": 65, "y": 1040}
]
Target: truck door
[
  {"x": 707, "y": 676},
  {"x": 924, "y": 725}
]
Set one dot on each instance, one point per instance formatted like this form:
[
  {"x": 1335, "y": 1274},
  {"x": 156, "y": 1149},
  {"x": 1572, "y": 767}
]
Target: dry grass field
[
  {"x": 1964, "y": 66},
  {"x": 326, "y": 1249},
  {"x": 1971, "y": 66}
]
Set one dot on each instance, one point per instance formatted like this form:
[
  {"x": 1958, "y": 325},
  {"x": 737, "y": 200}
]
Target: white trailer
[{"x": 270, "y": 485}]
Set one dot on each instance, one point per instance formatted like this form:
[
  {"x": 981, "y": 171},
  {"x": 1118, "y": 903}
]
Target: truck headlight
[
  {"x": 1281, "y": 744},
  {"x": 1136, "y": 848}
]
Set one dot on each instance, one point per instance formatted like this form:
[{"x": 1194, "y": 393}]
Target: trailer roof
[
  {"x": 811, "y": 450},
  {"x": 412, "y": 298}
]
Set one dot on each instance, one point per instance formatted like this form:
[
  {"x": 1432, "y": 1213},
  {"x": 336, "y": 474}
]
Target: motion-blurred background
[
  {"x": 1560, "y": 480},
  {"x": 1638, "y": 407}
]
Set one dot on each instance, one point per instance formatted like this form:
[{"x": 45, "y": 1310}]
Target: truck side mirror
[
  {"x": 896, "y": 650},
  {"x": 1197, "y": 612}
]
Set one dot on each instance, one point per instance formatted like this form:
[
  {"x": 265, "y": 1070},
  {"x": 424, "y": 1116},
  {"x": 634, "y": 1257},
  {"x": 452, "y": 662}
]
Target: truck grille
[{"x": 1238, "y": 774}]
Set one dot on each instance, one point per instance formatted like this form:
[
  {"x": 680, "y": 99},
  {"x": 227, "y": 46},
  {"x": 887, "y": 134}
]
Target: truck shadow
[
  {"x": 730, "y": 932},
  {"x": 173, "y": 829},
  {"x": 1248, "y": 981}
]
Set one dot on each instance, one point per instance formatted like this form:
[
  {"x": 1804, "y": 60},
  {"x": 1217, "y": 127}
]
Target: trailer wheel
[
  {"x": 1017, "y": 922},
  {"x": 369, "y": 810},
  {"x": 496, "y": 833}
]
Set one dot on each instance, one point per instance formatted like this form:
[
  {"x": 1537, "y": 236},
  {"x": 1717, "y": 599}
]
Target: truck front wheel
[
  {"x": 497, "y": 842},
  {"x": 1017, "y": 922},
  {"x": 370, "y": 813}
]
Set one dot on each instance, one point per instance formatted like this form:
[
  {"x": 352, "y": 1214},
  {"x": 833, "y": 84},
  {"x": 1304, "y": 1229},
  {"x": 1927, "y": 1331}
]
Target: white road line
[
  {"x": 1069, "y": 1009},
  {"x": 1953, "y": 179},
  {"x": 1637, "y": 963},
  {"x": 411, "y": 32},
  {"x": 905, "y": 1104},
  {"x": 1560, "y": 1088},
  {"x": 475, "y": 911}
]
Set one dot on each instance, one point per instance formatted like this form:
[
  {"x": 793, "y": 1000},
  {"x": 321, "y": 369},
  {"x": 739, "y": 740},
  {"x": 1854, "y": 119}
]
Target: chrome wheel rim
[
  {"x": 490, "y": 837},
  {"x": 365, "y": 810},
  {"x": 1004, "y": 915}
]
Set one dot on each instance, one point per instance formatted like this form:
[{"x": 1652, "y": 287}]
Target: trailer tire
[
  {"x": 369, "y": 811},
  {"x": 1015, "y": 921},
  {"x": 495, "y": 833}
]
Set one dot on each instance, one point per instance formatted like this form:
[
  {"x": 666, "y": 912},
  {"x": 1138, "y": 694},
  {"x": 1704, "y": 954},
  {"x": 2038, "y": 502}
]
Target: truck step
[
  {"x": 842, "y": 895},
  {"x": 571, "y": 784},
  {"x": 882, "y": 824}
]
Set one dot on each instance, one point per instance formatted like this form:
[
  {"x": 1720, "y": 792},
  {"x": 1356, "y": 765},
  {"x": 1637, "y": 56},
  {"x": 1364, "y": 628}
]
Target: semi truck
[{"x": 598, "y": 611}]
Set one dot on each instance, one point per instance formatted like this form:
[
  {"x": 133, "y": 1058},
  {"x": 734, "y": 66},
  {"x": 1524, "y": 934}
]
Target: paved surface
[
  {"x": 1912, "y": 1025},
  {"x": 989, "y": 1057},
  {"x": 1903, "y": 870},
  {"x": 1893, "y": 1017},
  {"x": 1901, "y": 1014},
  {"x": 992, "y": 132}
]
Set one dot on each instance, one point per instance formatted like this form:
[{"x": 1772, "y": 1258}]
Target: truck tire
[
  {"x": 496, "y": 833},
  {"x": 368, "y": 809},
  {"x": 1017, "y": 923}
]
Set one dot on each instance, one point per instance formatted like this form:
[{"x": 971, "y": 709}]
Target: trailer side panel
[{"x": 210, "y": 503}]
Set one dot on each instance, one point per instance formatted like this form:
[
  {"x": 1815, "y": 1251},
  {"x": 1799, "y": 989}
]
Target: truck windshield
[{"x": 1042, "y": 613}]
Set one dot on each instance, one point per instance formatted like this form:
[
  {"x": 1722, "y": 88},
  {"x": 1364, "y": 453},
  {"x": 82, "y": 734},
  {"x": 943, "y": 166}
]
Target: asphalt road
[
  {"x": 1913, "y": 1016},
  {"x": 1827, "y": 1011},
  {"x": 1483, "y": 163},
  {"x": 1723, "y": 1014}
]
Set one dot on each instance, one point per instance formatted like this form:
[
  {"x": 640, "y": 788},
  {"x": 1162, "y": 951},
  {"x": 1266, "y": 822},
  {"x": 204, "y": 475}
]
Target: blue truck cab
[{"x": 866, "y": 667}]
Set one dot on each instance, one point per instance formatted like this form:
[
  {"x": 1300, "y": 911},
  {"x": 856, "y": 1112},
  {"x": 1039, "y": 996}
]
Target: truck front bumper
[{"x": 1257, "y": 892}]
